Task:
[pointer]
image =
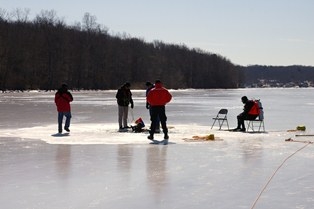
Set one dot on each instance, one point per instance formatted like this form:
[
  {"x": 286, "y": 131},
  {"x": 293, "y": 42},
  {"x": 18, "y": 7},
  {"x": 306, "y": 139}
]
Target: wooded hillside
[{"x": 44, "y": 52}]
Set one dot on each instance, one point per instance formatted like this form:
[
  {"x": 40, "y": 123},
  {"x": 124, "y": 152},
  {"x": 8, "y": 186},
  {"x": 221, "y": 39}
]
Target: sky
[{"x": 246, "y": 32}]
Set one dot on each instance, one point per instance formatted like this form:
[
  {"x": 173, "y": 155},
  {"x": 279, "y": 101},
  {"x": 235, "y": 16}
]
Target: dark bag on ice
[{"x": 139, "y": 126}]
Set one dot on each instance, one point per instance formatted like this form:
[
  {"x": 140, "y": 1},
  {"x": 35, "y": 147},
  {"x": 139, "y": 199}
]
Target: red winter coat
[
  {"x": 158, "y": 96},
  {"x": 62, "y": 100}
]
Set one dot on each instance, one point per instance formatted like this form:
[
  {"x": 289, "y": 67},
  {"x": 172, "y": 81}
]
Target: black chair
[{"x": 221, "y": 118}]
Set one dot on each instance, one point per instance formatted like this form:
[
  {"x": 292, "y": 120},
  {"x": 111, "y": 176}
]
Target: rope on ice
[{"x": 272, "y": 176}]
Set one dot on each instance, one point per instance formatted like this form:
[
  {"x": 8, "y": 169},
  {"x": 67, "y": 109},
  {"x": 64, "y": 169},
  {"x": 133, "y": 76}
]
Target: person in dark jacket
[
  {"x": 249, "y": 113},
  {"x": 157, "y": 98},
  {"x": 62, "y": 100},
  {"x": 150, "y": 86},
  {"x": 124, "y": 98}
]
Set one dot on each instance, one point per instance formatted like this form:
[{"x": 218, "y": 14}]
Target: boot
[{"x": 150, "y": 137}]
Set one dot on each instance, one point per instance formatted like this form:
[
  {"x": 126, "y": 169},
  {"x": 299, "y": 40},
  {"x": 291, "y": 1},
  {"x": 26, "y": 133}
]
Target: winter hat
[
  {"x": 244, "y": 99},
  {"x": 148, "y": 83},
  {"x": 127, "y": 84}
]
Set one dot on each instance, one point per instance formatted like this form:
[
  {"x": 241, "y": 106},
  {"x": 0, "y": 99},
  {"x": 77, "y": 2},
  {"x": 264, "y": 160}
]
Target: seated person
[{"x": 250, "y": 112}]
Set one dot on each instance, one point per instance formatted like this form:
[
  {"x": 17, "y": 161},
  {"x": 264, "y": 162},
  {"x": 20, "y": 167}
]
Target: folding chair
[
  {"x": 221, "y": 118},
  {"x": 253, "y": 127}
]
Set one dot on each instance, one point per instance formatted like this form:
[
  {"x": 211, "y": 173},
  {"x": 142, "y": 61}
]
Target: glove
[
  {"x": 132, "y": 105},
  {"x": 147, "y": 106}
]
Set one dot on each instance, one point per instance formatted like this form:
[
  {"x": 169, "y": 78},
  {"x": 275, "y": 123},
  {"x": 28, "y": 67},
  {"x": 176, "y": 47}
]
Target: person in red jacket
[
  {"x": 157, "y": 98},
  {"x": 250, "y": 112},
  {"x": 62, "y": 99}
]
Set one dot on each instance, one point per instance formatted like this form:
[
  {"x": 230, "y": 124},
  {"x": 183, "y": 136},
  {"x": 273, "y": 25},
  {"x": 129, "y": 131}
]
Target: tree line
[
  {"x": 254, "y": 74},
  {"x": 44, "y": 52}
]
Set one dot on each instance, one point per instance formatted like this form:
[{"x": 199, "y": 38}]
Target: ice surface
[{"x": 97, "y": 167}]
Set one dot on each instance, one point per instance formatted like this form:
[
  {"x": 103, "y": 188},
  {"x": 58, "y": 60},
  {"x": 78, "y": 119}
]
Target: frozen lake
[{"x": 97, "y": 167}]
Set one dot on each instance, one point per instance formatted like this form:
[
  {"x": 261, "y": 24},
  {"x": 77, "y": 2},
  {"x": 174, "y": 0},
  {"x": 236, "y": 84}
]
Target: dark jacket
[
  {"x": 147, "y": 91},
  {"x": 124, "y": 96}
]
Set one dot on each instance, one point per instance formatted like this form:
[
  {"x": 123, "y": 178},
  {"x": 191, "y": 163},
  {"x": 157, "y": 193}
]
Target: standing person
[
  {"x": 62, "y": 99},
  {"x": 157, "y": 98},
  {"x": 124, "y": 98},
  {"x": 149, "y": 86},
  {"x": 250, "y": 112}
]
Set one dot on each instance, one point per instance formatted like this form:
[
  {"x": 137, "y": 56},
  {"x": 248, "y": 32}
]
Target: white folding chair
[{"x": 256, "y": 125}]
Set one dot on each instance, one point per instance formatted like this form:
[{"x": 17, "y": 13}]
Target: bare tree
[
  {"x": 47, "y": 17},
  {"x": 89, "y": 22},
  {"x": 3, "y": 15},
  {"x": 20, "y": 15}
]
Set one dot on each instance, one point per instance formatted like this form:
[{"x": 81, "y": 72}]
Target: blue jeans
[{"x": 67, "y": 120}]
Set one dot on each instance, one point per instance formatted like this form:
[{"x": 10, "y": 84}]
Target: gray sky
[{"x": 266, "y": 32}]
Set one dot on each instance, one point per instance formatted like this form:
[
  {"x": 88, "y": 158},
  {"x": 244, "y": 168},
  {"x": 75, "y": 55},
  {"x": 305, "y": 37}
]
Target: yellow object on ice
[
  {"x": 210, "y": 137},
  {"x": 301, "y": 128},
  {"x": 207, "y": 137}
]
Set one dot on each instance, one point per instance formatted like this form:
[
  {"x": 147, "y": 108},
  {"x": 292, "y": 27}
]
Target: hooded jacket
[
  {"x": 124, "y": 96},
  {"x": 158, "y": 96},
  {"x": 62, "y": 99}
]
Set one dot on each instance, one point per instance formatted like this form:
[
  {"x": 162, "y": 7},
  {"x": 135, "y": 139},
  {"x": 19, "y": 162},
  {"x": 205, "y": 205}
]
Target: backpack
[
  {"x": 256, "y": 108},
  {"x": 139, "y": 126}
]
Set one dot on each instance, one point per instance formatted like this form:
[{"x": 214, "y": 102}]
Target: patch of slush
[{"x": 92, "y": 133}]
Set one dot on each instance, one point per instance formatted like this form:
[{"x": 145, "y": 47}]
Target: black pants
[
  {"x": 158, "y": 112},
  {"x": 243, "y": 117}
]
